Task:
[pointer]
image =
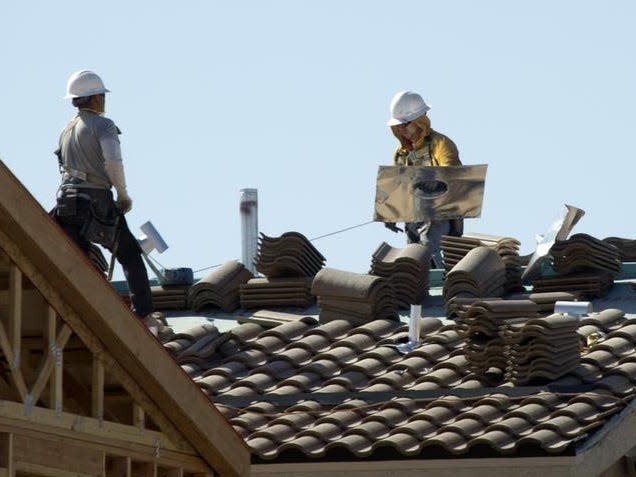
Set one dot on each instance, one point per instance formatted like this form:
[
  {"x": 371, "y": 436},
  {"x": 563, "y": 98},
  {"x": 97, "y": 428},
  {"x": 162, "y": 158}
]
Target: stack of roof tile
[
  {"x": 542, "y": 348},
  {"x": 626, "y": 247},
  {"x": 290, "y": 255},
  {"x": 289, "y": 263},
  {"x": 167, "y": 298},
  {"x": 481, "y": 273},
  {"x": 584, "y": 253},
  {"x": 220, "y": 287},
  {"x": 457, "y": 307},
  {"x": 407, "y": 269},
  {"x": 262, "y": 292},
  {"x": 456, "y": 248},
  {"x": 585, "y": 284},
  {"x": 583, "y": 264},
  {"x": 545, "y": 301},
  {"x": 485, "y": 320},
  {"x": 356, "y": 297}
]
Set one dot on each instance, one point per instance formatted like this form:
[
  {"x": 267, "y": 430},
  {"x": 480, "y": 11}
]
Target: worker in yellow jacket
[{"x": 421, "y": 145}]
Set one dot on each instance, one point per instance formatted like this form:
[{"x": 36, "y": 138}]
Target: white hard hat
[
  {"x": 84, "y": 83},
  {"x": 405, "y": 107}
]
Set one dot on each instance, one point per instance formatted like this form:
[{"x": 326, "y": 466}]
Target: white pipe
[
  {"x": 249, "y": 227},
  {"x": 415, "y": 323},
  {"x": 575, "y": 308}
]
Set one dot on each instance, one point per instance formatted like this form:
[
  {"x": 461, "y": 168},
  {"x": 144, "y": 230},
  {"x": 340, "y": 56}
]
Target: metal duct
[{"x": 249, "y": 227}]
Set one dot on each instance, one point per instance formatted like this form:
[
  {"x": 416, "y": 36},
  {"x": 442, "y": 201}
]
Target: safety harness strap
[
  {"x": 75, "y": 173},
  {"x": 86, "y": 176}
]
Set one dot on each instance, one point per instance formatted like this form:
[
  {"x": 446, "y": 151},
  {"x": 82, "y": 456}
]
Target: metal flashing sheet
[{"x": 422, "y": 194}]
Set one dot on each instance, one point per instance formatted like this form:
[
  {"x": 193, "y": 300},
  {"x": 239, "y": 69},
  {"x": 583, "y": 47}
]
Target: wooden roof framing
[{"x": 79, "y": 374}]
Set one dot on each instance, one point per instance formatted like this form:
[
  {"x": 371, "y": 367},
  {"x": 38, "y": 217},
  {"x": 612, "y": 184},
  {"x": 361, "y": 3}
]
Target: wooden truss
[{"x": 85, "y": 390}]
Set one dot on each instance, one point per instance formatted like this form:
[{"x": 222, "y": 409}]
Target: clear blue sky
[{"x": 292, "y": 98}]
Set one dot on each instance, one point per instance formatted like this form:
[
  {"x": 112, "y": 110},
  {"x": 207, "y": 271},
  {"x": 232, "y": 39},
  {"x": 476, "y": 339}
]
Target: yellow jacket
[{"x": 431, "y": 145}]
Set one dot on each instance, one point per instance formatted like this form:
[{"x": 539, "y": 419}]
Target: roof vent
[{"x": 249, "y": 227}]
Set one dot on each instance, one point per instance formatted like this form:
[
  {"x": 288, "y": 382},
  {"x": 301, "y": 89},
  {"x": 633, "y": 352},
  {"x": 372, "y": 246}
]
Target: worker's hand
[
  {"x": 124, "y": 203},
  {"x": 391, "y": 226}
]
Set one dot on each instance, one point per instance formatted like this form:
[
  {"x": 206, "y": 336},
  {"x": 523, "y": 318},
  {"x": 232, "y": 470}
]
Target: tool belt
[{"x": 91, "y": 209}]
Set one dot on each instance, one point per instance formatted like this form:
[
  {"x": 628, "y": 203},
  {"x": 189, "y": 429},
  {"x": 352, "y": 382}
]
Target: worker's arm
[
  {"x": 444, "y": 151},
  {"x": 115, "y": 170}
]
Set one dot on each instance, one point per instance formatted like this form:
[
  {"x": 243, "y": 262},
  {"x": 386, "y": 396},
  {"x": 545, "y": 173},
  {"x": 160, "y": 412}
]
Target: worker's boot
[{"x": 158, "y": 325}]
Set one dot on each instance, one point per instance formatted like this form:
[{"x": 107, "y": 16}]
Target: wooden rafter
[{"x": 15, "y": 313}]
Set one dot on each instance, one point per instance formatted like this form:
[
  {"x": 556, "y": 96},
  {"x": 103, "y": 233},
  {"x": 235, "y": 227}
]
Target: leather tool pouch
[
  {"x": 66, "y": 206},
  {"x": 101, "y": 232},
  {"x": 94, "y": 212}
]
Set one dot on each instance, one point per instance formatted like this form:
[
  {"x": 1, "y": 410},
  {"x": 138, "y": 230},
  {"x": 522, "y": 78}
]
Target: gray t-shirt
[{"x": 80, "y": 147}]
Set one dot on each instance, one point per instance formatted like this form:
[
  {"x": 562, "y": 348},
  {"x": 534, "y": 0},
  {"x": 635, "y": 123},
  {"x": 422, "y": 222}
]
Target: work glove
[
  {"x": 124, "y": 203},
  {"x": 391, "y": 226}
]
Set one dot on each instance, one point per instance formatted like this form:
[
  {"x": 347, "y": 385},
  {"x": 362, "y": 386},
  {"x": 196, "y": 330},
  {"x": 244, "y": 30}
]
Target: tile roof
[
  {"x": 338, "y": 384},
  {"x": 337, "y": 391}
]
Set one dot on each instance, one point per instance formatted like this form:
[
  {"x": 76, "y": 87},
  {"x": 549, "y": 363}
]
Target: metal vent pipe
[{"x": 249, "y": 227}]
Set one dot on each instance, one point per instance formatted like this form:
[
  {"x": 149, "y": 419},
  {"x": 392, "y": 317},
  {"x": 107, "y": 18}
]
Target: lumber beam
[
  {"x": 55, "y": 454},
  {"x": 55, "y": 383},
  {"x": 97, "y": 389},
  {"x": 15, "y": 313},
  {"x": 171, "y": 473},
  {"x": 16, "y": 372},
  {"x": 145, "y": 469},
  {"x": 119, "y": 467},
  {"x": 6, "y": 453},
  {"x": 139, "y": 417},
  {"x": 116, "y": 440}
]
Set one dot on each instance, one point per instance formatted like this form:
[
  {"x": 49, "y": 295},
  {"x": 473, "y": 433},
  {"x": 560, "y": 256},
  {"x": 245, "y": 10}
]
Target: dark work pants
[
  {"x": 127, "y": 253},
  {"x": 430, "y": 235}
]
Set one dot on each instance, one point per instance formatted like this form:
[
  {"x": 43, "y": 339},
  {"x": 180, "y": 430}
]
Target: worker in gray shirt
[{"x": 90, "y": 161}]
